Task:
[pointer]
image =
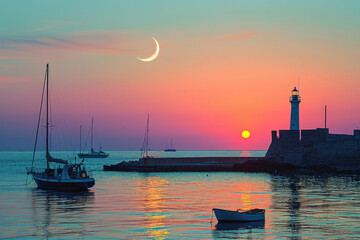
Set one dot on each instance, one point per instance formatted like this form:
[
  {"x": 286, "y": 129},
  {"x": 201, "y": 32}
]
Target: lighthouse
[{"x": 295, "y": 100}]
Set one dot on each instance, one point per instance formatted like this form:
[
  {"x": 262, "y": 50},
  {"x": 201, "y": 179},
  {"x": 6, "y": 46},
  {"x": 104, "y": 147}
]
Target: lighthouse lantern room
[{"x": 295, "y": 100}]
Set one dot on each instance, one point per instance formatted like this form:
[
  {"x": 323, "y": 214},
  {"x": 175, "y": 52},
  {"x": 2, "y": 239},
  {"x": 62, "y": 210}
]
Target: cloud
[
  {"x": 14, "y": 54},
  {"x": 245, "y": 35},
  {"x": 77, "y": 43},
  {"x": 8, "y": 79},
  {"x": 4, "y": 66},
  {"x": 50, "y": 24}
]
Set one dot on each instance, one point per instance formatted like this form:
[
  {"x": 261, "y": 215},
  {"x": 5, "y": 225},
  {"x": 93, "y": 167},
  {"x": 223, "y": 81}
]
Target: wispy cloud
[
  {"x": 85, "y": 42},
  {"x": 4, "y": 66},
  {"x": 8, "y": 79},
  {"x": 241, "y": 36},
  {"x": 16, "y": 54},
  {"x": 50, "y": 24}
]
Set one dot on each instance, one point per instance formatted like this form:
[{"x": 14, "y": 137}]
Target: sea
[{"x": 175, "y": 205}]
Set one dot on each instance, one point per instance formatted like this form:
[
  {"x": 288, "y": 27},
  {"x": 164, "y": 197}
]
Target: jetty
[{"x": 182, "y": 164}]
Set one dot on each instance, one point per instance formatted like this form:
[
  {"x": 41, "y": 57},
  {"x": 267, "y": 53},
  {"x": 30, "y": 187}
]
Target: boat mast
[
  {"x": 325, "y": 116},
  {"x": 171, "y": 144},
  {"x": 47, "y": 116},
  {"x": 38, "y": 123},
  {"x": 145, "y": 147},
  {"x": 80, "y": 138},
  {"x": 147, "y": 137},
  {"x": 92, "y": 132}
]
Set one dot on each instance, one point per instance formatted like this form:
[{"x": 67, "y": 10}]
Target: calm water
[{"x": 176, "y": 205}]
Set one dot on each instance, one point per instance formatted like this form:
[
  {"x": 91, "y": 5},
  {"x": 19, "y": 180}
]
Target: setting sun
[{"x": 245, "y": 134}]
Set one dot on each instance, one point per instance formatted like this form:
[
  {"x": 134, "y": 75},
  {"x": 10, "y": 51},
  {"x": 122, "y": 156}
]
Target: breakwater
[
  {"x": 224, "y": 164},
  {"x": 185, "y": 164}
]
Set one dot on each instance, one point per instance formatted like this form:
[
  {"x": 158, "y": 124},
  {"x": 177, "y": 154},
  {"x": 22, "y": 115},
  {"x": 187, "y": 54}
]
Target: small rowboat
[{"x": 238, "y": 216}]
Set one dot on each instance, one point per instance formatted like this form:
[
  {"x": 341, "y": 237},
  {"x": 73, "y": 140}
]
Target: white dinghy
[{"x": 252, "y": 215}]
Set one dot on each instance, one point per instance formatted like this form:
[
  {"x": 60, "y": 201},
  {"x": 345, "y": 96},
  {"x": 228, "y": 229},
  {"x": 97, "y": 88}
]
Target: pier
[{"x": 182, "y": 164}]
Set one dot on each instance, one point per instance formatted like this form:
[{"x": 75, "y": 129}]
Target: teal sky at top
[{"x": 19, "y": 17}]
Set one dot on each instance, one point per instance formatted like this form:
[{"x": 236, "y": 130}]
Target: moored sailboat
[{"x": 59, "y": 174}]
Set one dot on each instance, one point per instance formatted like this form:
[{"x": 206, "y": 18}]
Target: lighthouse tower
[{"x": 295, "y": 100}]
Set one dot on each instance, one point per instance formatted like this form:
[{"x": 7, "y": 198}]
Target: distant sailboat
[
  {"x": 92, "y": 153},
  {"x": 171, "y": 149},
  {"x": 64, "y": 176}
]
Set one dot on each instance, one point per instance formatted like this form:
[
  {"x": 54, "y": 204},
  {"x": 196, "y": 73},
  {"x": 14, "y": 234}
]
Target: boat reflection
[
  {"x": 240, "y": 225},
  {"x": 237, "y": 230},
  {"x": 56, "y": 214}
]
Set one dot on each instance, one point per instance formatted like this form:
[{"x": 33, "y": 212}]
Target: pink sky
[{"x": 205, "y": 88}]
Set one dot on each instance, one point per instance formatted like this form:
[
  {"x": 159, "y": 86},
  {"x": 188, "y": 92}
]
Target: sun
[{"x": 245, "y": 134}]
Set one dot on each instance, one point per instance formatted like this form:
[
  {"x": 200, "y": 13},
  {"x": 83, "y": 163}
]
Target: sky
[{"x": 224, "y": 67}]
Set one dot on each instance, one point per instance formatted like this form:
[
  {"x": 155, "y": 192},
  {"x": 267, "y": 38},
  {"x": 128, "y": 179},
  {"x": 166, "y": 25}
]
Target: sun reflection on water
[
  {"x": 153, "y": 192},
  {"x": 246, "y": 201}
]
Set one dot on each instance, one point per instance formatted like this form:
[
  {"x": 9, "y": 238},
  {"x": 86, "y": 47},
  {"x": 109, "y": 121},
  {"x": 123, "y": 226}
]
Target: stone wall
[{"x": 316, "y": 147}]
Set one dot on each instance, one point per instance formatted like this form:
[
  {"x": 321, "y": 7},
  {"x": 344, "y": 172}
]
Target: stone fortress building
[{"x": 314, "y": 146}]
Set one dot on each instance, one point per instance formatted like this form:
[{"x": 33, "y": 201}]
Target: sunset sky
[{"x": 224, "y": 67}]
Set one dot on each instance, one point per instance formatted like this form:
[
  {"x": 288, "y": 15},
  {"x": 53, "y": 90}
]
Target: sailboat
[
  {"x": 92, "y": 153},
  {"x": 59, "y": 174},
  {"x": 171, "y": 149}
]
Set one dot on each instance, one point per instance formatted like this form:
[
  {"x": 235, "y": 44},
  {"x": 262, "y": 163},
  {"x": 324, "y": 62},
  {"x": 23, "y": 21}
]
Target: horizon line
[{"x": 133, "y": 150}]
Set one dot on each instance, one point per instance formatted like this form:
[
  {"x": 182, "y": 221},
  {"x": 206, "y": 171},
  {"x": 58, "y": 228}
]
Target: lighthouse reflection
[
  {"x": 294, "y": 206},
  {"x": 153, "y": 192},
  {"x": 287, "y": 201}
]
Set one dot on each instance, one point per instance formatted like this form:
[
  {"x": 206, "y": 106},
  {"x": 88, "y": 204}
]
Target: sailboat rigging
[
  {"x": 171, "y": 149},
  {"x": 64, "y": 176},
  {"x": 92, "y": 153},
  {"x": 145, "y": 147}
]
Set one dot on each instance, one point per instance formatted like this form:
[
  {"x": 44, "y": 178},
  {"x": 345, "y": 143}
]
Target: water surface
[{"x": 129, "y": 205}]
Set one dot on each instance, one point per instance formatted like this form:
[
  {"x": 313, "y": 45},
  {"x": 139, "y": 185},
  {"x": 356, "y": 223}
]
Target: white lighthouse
[{"x": 295, "y": 100}]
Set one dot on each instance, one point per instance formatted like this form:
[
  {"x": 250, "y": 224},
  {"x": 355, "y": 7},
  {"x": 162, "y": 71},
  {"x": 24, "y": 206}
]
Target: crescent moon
[{"x": 152, "y": 57}]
